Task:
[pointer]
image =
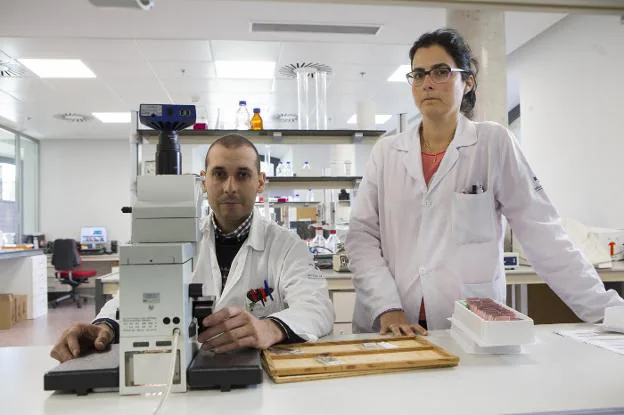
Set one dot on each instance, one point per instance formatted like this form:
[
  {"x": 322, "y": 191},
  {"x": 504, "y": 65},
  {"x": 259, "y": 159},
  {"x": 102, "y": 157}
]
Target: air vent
[
  {"x": 290, "y": 71},
  {"x": 315, "y": 28},
  {"x": 9, "y": 69},
  {"x": 73, "y": 117}
]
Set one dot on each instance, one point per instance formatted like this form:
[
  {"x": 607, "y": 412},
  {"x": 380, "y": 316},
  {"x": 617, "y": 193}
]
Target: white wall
[
  {"x": 84, "y": 183},
  {"x": 571, "y": 93}
]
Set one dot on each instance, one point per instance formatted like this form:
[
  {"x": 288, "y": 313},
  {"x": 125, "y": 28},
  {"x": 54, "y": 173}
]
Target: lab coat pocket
[
  {"x": 472, "y": 218},
  {"x": 262, "y": 310},
  {"x": 481, "y": 290}
]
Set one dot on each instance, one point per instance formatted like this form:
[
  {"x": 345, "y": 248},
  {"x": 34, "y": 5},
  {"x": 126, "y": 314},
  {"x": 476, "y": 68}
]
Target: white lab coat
[
  {"x": 300, "y": 296},
  {"x": 407, "y": 240}
]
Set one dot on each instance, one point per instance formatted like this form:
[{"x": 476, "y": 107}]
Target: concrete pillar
[{"x": 485, "y": 33}]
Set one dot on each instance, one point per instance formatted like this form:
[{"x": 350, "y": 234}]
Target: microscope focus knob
[{"x": 196, "y": 290}]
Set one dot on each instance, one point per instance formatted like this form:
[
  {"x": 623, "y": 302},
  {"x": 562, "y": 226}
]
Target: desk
[
  {"x": 108, "y": 284},
  {"x": 24, "y": 273},
  {"x": 13, "y": 253},
  {"x": 522, "y": 275},
  {"x": 102, "y": 264},
  {"x": 94, "y": 261},
  {"x": 556, "y": 374},
  {"x": 516, "y": 279},
  {"x": 104, "y": 286},
  {"x": 526, "y": 275}
]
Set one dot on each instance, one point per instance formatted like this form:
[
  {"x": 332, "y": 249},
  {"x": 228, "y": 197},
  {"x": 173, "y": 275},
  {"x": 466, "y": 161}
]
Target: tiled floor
[{"x": 45, "y": 330}]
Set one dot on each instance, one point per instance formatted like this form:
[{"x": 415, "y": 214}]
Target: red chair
[{"x": 65, "y": 259}]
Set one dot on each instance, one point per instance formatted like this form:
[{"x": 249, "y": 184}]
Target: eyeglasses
[{"x": 438, "y": 73}]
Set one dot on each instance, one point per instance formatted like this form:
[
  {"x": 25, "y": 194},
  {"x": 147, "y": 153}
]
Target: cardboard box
[
  {"x": 7, "y": 311},
  {"x": 307, "y": 213},
  {"x": 21, "y": 306}
]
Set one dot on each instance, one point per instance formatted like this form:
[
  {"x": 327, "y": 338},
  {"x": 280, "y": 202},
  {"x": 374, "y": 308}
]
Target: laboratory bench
[
  {"x": 554, "y": 374},
  {"x": 342, "y": 294},
  {"x": 526, "y": 292}
]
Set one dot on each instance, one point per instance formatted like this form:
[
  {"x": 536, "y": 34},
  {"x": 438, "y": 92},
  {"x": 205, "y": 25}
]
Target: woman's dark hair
[{"x": 456, "y": 46}]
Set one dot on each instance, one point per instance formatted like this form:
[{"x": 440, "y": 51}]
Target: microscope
[
  {"x": 160, "y": 309},
  {"x": 155, "y": 270}
]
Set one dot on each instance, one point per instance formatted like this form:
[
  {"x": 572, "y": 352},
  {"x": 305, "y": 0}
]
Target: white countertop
[
  {"x": 95, "y": 258},
  {"x": 556, "y": 374},
  {"x": 15, "y": 253}
]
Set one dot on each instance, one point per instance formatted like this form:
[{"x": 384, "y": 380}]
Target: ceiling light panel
[
  {"x": 399, "y": 74},
  {"x": 379, "y": 119},
  {"x": 238, "y": 50},
  {"x": 113, "y": 117},
  {"x": 58, "y": 68}
]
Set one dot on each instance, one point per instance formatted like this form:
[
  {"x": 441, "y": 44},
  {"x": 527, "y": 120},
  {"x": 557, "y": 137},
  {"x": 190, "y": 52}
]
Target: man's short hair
[{"x": 234, "y": 141}]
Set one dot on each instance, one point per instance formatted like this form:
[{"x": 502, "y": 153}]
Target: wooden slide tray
[{"x": 333, "y": 359}]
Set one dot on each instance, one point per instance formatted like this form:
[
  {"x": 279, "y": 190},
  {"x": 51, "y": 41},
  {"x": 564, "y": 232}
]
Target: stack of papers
[{"x": 597, "y": 337}]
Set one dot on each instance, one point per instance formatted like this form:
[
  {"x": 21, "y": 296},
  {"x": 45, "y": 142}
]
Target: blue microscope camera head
[{"x": 168, "y": 119}]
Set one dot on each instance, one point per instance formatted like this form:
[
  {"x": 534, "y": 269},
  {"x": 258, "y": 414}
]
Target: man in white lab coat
[{"x": 267, "y": 288}]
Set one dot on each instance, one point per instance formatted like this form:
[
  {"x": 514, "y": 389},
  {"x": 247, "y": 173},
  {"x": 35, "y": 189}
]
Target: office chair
[{"x": 65, "y": 259}]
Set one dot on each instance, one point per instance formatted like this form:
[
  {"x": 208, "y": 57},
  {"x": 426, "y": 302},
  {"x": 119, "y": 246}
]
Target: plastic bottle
[
  {"x": 256, "y": 120},
  {"x": 280, "y": 169},
  {"x": 332, "y": 242},
  {"x": 288, "y": 171},
  {"x": 242, "y": 116},
  {"x": 306, "y": 167},
  {"x": 310, "y": 196},
  {"x": 319, "y": 240}
]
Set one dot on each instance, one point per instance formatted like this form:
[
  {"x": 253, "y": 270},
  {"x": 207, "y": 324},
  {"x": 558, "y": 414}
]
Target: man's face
[{"x": 232, "y": 183}]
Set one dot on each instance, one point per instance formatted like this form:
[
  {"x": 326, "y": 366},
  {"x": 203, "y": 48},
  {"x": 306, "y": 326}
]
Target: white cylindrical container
[
  {"x": 321, "y": 100},
  {"x": 303, "y": 98},
  {"x": 366, "y": 115}
]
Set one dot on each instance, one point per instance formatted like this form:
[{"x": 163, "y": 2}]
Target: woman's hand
[{"x": 396, "y": 323}]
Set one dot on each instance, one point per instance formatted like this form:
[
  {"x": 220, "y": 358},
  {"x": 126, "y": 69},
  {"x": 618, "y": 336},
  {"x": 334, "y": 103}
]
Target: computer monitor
[{"x": 92, "y": 236}]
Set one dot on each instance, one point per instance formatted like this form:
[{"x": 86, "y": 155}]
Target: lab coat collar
[
  {"x": 409, "y": 142},
  {"x": 256, "y": 233},
  {"x": 465, "y": 135}
]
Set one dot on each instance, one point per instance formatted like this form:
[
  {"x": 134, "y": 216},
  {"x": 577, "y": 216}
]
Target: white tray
[
  {"x": 614, "y": 319},
  {"x": 494, "y": 333},
  {"x": 469, "y": 345}
]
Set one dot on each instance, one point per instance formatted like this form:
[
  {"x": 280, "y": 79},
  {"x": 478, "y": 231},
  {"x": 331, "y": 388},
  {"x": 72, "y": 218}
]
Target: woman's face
[{"x": 435, "y": 96}]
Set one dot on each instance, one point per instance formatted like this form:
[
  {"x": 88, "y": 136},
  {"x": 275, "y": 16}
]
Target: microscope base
[{"x": 100, "y": 372}]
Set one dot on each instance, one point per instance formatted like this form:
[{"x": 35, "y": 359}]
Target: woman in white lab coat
[{"x": 426, "y": 228}]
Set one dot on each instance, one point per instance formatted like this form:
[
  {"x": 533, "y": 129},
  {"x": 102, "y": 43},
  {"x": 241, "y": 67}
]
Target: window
[
  {"x": 29, "y": 150},
  {"x": 9, "y": 212},
  {"x": 19, "y": 185}
]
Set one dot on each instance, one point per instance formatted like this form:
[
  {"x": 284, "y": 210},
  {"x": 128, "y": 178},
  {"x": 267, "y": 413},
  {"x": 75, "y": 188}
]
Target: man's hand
[
  {"x": 80, "y": 339},
  {"x": 396, "y": 323},
  {"x": 234, "y": 328}
]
